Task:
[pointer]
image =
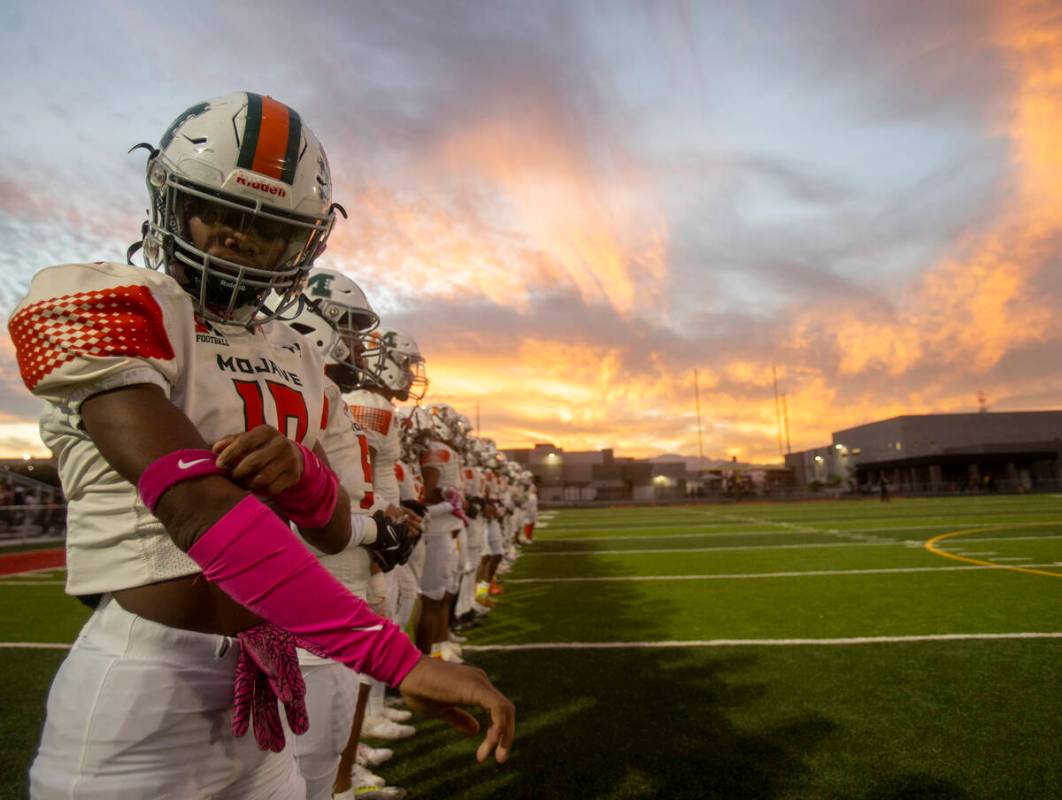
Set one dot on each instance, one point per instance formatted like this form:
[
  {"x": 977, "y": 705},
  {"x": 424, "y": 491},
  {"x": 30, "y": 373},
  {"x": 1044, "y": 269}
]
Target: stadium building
[
  {"x": 583, "y": 476},
  {"x": 933, "y": 453}
]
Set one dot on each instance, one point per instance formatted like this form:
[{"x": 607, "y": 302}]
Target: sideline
[{"x": 32, "y": 560}]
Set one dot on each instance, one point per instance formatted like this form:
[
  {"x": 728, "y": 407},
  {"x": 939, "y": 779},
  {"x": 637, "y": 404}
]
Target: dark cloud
[{"x": 564, "y": 182}]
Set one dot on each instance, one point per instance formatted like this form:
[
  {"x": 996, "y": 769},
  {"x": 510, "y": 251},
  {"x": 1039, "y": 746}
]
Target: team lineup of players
[
  {"x": 471, "y": 506},
  {"x": 253, "y": 519}
]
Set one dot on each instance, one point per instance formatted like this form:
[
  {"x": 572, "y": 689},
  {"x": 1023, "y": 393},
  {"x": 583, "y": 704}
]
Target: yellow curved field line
[{"x": 930, "y": 545}]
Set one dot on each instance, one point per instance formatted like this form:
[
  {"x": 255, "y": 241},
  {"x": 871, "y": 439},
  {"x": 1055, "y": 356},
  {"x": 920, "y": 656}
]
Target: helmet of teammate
[
  {"x": 394, "y": 362},
  {"x": 241, "y": 205},
  {"x": 473, "y": 451},
  {"x": 488, "y": 451},
  {"x": 498, "y": 464},
  {"x": 462, "y": 430},
  {"x": 450, "y": 426},
  {"x": 335, "y": 316}
]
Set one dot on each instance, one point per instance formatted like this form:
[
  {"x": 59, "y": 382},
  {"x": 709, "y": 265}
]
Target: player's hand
[
  {"x": 262, "y": 460},
  {"x": 437, "y": 688},
  {"x": 414, "y": 522}
]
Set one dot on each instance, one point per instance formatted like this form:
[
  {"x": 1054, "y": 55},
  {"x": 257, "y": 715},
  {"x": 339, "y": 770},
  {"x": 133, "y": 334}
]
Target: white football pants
[{"x": 141, "y": 711}]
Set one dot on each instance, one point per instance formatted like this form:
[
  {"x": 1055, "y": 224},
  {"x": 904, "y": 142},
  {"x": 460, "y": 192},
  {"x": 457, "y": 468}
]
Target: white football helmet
[
  {"x": 416, "y": 433},
  {"x": 241, "y": 205},
  {"x": 394, "y": 362},
  {"x": 444, "y": 422},
  {"x": 335, "y": 316},
  {"x": 473, "y": 451}
]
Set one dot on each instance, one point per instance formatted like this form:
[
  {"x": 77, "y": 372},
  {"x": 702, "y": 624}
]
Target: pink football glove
[
  {"x": 457, "y": 501},
  {"x": 267, "y": 669}
]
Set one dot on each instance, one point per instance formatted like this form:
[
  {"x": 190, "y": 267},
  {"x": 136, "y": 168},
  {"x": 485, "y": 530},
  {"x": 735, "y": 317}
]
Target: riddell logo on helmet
[{"x": 262, "y": 186}]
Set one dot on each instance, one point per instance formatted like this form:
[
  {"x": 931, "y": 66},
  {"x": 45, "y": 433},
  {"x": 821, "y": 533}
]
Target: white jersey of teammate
[
  {"x": 472, "y": 481},
  {"x": 410, "y": 481},
  {"x": 444, "y": 458},
  {"x": 347, "y": 450},
  {"x": 532, "y": 507},
  {"x": 87, "y": 328},
  {"x": 376, "y": 416}
]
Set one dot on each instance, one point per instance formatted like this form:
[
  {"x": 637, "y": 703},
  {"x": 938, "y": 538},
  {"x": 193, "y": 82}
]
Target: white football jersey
[
  {"x": 347, "y": 448},
  {"x": 87, "y": 328},
  {"x": 376, "y": 416},
  {"x": 490, "y": 484},
  {"x": 472, "y": 481},
  {"x": 410, "y": 482},
  {"x": 532, "y": 507},
  {"x": 444, "y": 458}
]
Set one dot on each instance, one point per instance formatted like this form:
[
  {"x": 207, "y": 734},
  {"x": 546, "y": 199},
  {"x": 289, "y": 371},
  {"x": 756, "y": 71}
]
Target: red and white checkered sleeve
[
  {"x": 436, "y": 456},
  {"x": 376, "y": 422},
  {"x": 87, "y": 328}
]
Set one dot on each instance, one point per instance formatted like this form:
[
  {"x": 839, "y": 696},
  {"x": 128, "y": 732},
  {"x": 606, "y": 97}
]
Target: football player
[
  {"x": 496, "y": 512},
  {"x": 441, "y": 468},
  {"x": 393, "y": 367},
  {"x": 466, "y": 607},
  {"x": 415, "y": 426},
  {"x": 200, "y": 587},
  {"x": 336, "y": 316}
]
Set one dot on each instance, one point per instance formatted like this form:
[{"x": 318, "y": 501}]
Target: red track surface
[{"x": 32, "y": 560}]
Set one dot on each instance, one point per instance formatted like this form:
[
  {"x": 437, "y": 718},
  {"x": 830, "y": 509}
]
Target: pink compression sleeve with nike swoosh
[
  {"x": 252, "y": 556},
  {"x": 311, "y": 501},
  {"x": 173, "y": 468}
]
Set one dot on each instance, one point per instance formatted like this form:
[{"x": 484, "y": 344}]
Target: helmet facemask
[
  {"x": 229, "y": 253},
  {"x": 396, "y": 364}
]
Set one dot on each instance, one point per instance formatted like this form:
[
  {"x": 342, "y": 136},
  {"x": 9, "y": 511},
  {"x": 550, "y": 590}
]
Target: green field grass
[{"x": 767, "y": 687}]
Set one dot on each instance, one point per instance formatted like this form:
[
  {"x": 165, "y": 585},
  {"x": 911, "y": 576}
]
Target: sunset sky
[{"x": 573, "y": 205}]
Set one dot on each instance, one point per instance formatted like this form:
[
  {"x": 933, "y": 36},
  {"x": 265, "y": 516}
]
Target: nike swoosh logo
[
  {"x": 189, "y": 464},
  {"x": 369, "y": 629}
]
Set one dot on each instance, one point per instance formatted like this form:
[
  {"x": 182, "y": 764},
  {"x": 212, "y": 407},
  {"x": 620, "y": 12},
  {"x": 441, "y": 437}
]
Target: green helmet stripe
[{"x": 250, "y": 131}]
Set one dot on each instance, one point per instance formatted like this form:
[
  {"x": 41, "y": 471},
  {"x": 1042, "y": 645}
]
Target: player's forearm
[
  {"x": 134, "y": 426},
  {"x": 335, "y": 535}
]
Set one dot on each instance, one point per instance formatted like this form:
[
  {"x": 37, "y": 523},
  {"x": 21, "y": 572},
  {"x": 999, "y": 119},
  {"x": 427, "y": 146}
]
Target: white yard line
[
  {"x": 34, "y": 646},
  {"x": 940, "y": 637},
  {"x": 946, "y": 519},
  {"x": 31, "y": 583},
  {"x": 529, "y": 554},
  {"x": 878, "y": 542},
  {"x": 630, "y": 525},
  {"x": 758, "y": 532},
  {"x": 660, "y": 536},
  {"x": 740, "y": 576}
]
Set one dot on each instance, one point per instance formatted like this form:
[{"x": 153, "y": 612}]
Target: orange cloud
[{"x": 514, "y": 208}]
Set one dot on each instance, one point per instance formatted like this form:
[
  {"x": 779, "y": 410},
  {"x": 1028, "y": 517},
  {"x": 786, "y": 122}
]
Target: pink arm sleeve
[{"x": 253, "y": 557}]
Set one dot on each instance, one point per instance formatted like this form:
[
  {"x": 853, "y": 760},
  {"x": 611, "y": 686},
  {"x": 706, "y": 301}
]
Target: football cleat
[
  {"x": 363, "y": 777},
  {"x": 373, "y": 756},
  {"x": 397, "y": 715},
  {"x": 383, "y": 728}
]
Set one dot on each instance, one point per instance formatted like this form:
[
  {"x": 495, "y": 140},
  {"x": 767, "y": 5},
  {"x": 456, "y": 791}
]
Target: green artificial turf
[{"x": 950, "y": 720}]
